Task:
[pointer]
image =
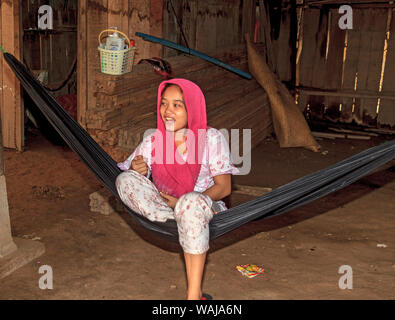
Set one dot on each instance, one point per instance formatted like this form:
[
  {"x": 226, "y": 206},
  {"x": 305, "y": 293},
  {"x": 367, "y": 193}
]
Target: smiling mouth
[
  {"x": 169, "y": 123},
  {"x": 169, "y": 120}
]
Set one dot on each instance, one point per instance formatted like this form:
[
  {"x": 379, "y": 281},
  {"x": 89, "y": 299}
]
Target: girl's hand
[
  {"x": 170, "y": 200},
  {"x": 139, "y": 165}
]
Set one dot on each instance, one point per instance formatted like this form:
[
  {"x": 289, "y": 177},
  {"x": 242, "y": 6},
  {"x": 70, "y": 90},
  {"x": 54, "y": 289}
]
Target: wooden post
[
  {"x": 82, "y": 77},
  {"x": 7, "y": 245},
  {"x": 10, "y": 90}
]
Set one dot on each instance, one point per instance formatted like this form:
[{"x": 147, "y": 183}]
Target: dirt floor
[{"x": 94, "y": 256}]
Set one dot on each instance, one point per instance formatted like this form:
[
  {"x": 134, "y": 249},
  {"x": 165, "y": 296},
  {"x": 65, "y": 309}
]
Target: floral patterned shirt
[{"x": 216, "y": 160}]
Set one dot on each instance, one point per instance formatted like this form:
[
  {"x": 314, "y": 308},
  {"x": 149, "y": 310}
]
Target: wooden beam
[
  {"x": 339, "y": 135},
  {"x": 348, "y": 94},
  {"x": 82, "y": 76},
  {"x": 341, "y": 2},
  {"x": 11, "y": 101},
  {"x": 253, "y": 191}
]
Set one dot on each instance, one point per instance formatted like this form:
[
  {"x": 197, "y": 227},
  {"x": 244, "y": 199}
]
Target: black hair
[{"x": 168, "y": 85}]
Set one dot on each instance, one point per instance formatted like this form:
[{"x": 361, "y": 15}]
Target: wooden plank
[
  {"x": 254, "y": 191},
  {"x": 97, "y": 12},
  {"x": 12, "y": 114},
  {"x": 222, "y": 28},
  {"x": 248, "y": 19},
  {"x": 311, "y": 25},
  {"x": 227, "y": 93},
  {"x": 232, "y": 113},
  {"x": 334, "y": 66},
  {"x": 206, "y": 24},
  {"x": 386, "y": 116},
  {"x": 82, "y": 70},
  {"x": 265, "y": 27},
  {"x": 189, "y": 16},
  {"x": 314, "y": 25},
  {"x": 339, "y": 135},
  {"x": 139, "y": 21},
  {"x": 227, "y": 24},
  {"x": 115, "y": 15},
  {"x": 170, "y": 28},
  {"x": 156, "y": 23},
  {"x": 125, "y": 18},
  {"x": 19, "y": 122},
  {"x": 236, "y": 27},
  {"x": 350, "y": 108},
  {"x": 348, "y": 93},
  {"x": 284, "y": 50},
  {"x": 317, "y": 103},
  {"x": 372, "y": 24},
  {"x": 121, "y": 109},
  {"x": 340, "y": 2}
]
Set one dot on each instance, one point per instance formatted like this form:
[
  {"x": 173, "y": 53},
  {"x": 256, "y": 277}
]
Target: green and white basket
[{"x": 116, "y": 62}]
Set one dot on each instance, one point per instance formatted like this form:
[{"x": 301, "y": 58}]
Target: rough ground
[{"x": 109, "y": 257}]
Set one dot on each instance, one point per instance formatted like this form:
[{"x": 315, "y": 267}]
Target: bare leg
[
  {"x": 194, "y": 267},
  {"x": 193, "y": 213}
]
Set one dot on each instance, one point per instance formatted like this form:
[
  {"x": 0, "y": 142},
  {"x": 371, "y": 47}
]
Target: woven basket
[{"x": 116, "y": 62}]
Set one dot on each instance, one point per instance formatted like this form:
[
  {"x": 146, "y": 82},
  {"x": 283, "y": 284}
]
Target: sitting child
[{"x": 192, "y": 178}]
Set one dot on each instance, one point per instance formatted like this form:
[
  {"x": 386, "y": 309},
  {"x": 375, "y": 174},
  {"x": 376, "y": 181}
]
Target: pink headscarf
[{"x": 174, "y": 177}]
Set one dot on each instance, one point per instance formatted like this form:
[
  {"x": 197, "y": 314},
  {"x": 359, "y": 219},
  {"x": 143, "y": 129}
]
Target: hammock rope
[{"x": 283, "y": 199}]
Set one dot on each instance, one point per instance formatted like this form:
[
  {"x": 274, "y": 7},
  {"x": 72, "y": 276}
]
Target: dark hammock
[{"x": 278, "y": 201}]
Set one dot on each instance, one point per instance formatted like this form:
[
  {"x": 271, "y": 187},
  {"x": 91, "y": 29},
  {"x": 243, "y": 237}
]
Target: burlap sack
[{"x": 289, "y": 123}]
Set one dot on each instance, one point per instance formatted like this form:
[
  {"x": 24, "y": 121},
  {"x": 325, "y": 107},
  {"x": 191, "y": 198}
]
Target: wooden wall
[
  {"x": 277, "y": 30},
  {"x": 52, "y": 50},
  {"x": 11, "y": 111},
  {"x": 212, "y": 26},
  {"x": 347, "y": 75},
  {"x": 208, "y": 26}
]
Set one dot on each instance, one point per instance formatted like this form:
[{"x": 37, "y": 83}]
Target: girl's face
[{"x": 173, "y": 110}]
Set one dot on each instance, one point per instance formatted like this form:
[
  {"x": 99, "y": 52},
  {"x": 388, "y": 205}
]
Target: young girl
[{"x": 191, "y": 177}]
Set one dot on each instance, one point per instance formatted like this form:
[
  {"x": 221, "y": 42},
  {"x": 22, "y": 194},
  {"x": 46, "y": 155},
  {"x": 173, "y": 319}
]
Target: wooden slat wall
[
  {"x": 359, "y": 67},
  {"x": 208, "y": 25},
  {"x": 54, "y": 51},
  {"x": 312, "y": 60},
  {"x": 171, "y": 30},
  {"x": 10, "y": 93},
  {"x": 387, "y": 107},
  {"x": 351, "y": 109},
  {"x": 334, "y": 63},
  {"x": 285, "y": 43},
  {"x": 248, "y": 20},
  {"x": 372, "y": 26}
]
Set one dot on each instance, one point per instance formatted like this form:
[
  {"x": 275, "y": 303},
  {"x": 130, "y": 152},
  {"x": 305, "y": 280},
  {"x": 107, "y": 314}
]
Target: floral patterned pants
[{"x": 193, "y": 210}]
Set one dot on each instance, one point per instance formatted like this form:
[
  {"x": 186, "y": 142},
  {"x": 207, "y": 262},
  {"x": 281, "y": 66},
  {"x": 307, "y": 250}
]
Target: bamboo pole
[{"x": 195, "y": 53}]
